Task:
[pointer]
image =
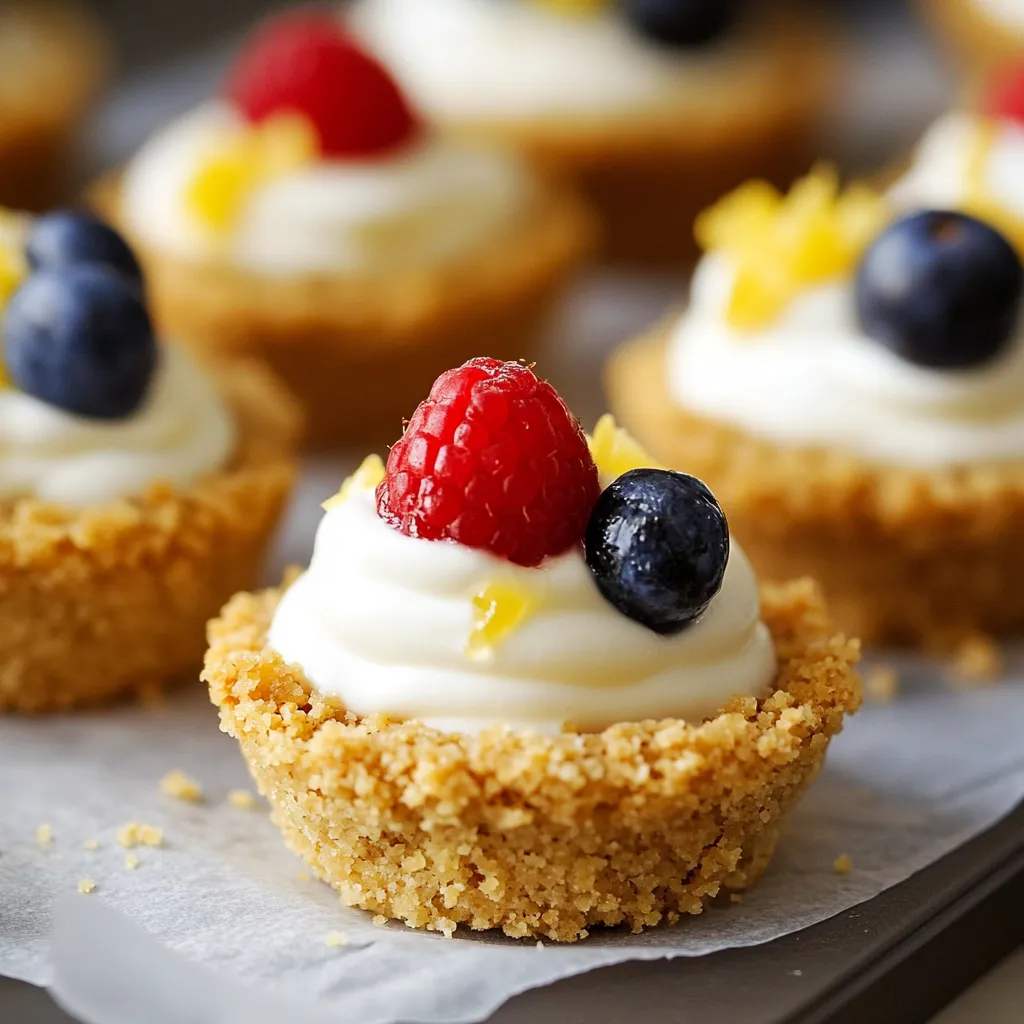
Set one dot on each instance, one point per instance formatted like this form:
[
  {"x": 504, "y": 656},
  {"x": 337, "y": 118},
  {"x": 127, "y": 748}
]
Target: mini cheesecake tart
[
  {"x": 315, "y": 223},
  {"x": 982, "y": 34},
  {"x": 847, "y": 379},
  {"x": 651, "y": 109},
  {"x": 137, "y": 491},
  {"x": 527, "y": 682},
  {"x": 52, "y": 61}
]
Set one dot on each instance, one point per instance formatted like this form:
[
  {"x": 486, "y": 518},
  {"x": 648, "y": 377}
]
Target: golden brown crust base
[
  {"x": 105, "y": 600},
  {"x": 650, "y": 173},
  {"x": 977, "y": 40},
  {"x": 537, "y": 835},
  {"x": 904, "y": 555},
  {"x": 39, "y": 115},
  {"x": 360, "y": 354}
]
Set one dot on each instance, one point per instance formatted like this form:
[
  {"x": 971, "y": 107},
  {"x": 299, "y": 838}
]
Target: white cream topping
[
  {"x": 381, "y": 621},
  {"x": 812, "y": 378},
  {"x": 507, "y": 59},
  {"x": 1006, "y": 12},
  {"x": 181, "y": 431},
  {"x": 939, "y": 174},
  {"x": 431, "y": 202}
]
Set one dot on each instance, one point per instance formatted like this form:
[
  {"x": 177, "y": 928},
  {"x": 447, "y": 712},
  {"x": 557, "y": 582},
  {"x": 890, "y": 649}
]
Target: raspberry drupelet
[
  {"x": 303, "y": 63},
  {"x": 492, "y": 459}
]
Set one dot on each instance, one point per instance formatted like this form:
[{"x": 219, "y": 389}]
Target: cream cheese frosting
[
  {"x": 432, "y": 201},
  {"x": 1009, "y": 13},
  {"x": 494, "y": 60},
  {"x": 941, "y": 174},
  {"x": 383, "y": 622},
  {"x": 812, "y": 378},
  {"x": 182, "y": 431}
]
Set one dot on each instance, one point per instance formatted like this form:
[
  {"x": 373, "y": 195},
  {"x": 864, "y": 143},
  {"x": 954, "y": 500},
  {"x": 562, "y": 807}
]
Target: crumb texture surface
[{"x": 541, "y": 836}]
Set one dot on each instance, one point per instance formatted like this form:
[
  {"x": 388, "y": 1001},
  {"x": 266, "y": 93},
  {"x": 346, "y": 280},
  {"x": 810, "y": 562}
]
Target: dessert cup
[
  {"x": 54, "y": 61},
  {"x": 544, "y": 836},
  {"x": 646, "y": 157},
  {"x": 353, "y": 250},
  {"x": 138, "y": 490},
  {"x": 531, "y": 751},
  {"x": 894, "y": 477}
]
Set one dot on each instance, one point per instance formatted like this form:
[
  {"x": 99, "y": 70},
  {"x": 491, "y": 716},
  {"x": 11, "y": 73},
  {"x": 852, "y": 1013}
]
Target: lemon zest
[
  {"x": 780, "y": 245},
  {"x": 499, "y": 609},
  {"x": 249, "y": 158},
  {"x": 576, "y": 8},
  {"x": 365, "y": 478},
  {"x": 615, "y": 451}
]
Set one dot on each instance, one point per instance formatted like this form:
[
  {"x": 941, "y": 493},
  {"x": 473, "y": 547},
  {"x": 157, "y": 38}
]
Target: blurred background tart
[
  {"x": 52, "y": 62},
  {"x": 314, "y": 221},
  {"x": 651, "y": 108},
  {"x": 850, "y": 381}
]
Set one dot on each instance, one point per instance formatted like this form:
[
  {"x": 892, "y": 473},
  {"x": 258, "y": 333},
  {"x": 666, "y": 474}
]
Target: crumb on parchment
[
  {"x": 332, "y": 940},
  {"x": 843, "y": 864},
  {"x": 131, "y": 861},
  {"x": 135, "y": 833},
  {"x": 86, "y": 886},
  {"x": 91, "y": 845},
  {"x": 44, "y": 835},
  {"x": 242, "y": 798},
  {"x": 180, "y": 786},
  {"x": 881, "y": 684}
]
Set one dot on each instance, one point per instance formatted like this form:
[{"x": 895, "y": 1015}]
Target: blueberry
[
  {"x": 66, "y": 237},
  {"x": 940, "y": 289},
  {"x": 681, "y": 22},
  {"x": 657, "y": 543},
  {"x": 80, "y": 338}
]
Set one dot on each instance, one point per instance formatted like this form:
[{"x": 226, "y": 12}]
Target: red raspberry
[
  {"x": 303, "y": 62},
  {"x": 1004, "y": 94},
  {"x": 492, "y": 459}
]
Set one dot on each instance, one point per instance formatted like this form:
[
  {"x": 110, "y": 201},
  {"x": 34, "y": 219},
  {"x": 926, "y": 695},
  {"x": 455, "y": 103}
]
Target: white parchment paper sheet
[{"x": 904, "y": 784}]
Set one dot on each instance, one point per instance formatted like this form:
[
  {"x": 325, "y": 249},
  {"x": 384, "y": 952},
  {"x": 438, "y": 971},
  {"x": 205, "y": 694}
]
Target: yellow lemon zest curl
[
  {"x": 13, "y": 265},
  {"x": 615, "y": 451},
  {"x": 779, "y": 245},
  {"x": 577, "y": 8},
  {"x": 244, "y": 161},
  {"x": 498, "y": 610},
  {"x": 365, "y": 478}
]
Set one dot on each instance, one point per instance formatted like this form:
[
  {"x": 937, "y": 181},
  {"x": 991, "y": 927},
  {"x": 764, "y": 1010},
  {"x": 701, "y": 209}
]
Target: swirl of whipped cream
[
  {"x": 381, "y": 621},
  {"x": 481, "y": 59},
  {"x": 1009, "y": 13},
  {"x": 944, "y": 165},
  {"x": 181, "y": 431},
  {"x": 812, "y": 378},
  {"x": 431, "y": 202}
]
